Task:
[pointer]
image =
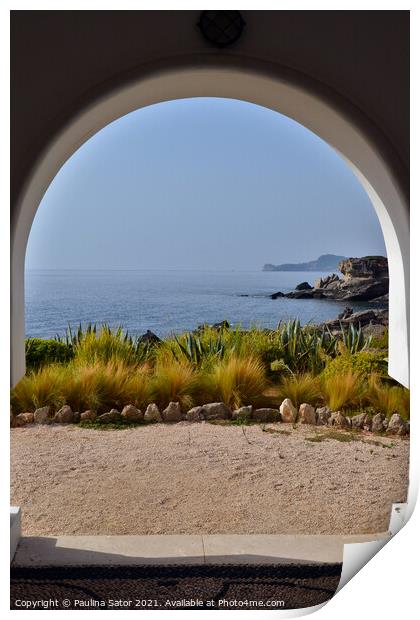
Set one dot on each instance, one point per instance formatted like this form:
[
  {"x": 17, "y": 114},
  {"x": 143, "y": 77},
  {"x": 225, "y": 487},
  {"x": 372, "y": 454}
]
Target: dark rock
[
  {"x": 277, "y": 295},
  {"x": 149, "y": 338},
  {"x": 303, "y": 294},
  {"x": 221, "y": 325},
  {"x": 217, "y": 326},
  {"x": 359, "y": 319},
  {"x": 303, "y": 286},
  {"x": 347, "y": 312},
  {"x": 364, "y": 279},
  {"x": 266, "y": 414},
  {"x": 383, "y": 299}
]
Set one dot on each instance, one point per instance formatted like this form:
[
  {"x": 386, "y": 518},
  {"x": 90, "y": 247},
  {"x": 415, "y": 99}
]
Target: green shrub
[
  {"x": 41, "y": 352},
  {"x": 343, "y": 390},
  {"x": 301, "y": 388},
  {"x": 364, "y": 363},
  {"x": 380, "y": 342},
  {"x": 237, "y": 381},
  {"x": 99, "y": 387},
  {"x": 389, "y": 399}
]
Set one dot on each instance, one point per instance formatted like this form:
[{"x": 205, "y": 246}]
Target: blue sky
[{"x": 201, "y": 183}]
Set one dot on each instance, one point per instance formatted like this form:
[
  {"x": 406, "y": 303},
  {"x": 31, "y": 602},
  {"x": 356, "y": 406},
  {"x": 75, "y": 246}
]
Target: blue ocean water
[{"x": 167, "y": 301}]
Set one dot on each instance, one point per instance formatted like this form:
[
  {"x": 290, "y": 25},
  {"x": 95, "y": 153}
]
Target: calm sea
[{"x": 167, "y": 301}]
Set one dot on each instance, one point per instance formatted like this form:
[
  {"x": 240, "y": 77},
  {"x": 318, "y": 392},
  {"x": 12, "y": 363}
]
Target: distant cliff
[{"x": 326, "y": 262}]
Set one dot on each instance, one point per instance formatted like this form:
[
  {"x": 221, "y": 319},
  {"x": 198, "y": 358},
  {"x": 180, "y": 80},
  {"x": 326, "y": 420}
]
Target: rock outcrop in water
[{"x": 364, "y": 279}]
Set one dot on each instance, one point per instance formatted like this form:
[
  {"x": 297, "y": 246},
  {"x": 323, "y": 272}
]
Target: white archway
[{"x": 299, "y": 102}]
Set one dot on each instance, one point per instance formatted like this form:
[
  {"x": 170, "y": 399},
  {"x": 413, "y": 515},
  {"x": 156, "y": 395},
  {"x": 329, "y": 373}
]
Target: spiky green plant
[
  {"x": 354, "y": 339},
  {"x": 199, "y": 348}
]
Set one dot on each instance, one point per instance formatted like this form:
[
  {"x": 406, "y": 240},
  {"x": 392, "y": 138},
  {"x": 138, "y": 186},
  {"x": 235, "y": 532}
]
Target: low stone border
[{"x": 322, "y": 416}]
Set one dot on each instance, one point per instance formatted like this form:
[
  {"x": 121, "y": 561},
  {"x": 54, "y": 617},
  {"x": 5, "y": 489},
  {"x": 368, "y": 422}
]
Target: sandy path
[{"x": 201, "y": 478}]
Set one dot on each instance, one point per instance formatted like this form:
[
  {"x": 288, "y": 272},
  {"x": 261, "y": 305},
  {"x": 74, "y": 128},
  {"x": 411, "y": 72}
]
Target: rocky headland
[
  {"x": 364, "y": 279},
  {"x": 325, "y": 262}
]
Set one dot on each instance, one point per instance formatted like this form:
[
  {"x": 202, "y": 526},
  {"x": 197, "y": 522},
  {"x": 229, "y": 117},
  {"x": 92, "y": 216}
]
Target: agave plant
[
  {"x": 92, "y": 344},
  {"x": 354, "y": 339},
  {"x": 196, "y": 349}
]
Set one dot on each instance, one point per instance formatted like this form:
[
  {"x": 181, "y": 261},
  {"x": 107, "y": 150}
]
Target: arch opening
[{"x": 297, "y": 102}]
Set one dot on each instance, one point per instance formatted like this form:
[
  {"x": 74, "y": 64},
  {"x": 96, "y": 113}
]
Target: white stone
[
  {"x": 288, "y": 412},
  {"x": 307, "y": 414}
]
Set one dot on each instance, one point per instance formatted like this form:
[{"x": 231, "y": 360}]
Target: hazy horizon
[{"x": 201, "y": 184}]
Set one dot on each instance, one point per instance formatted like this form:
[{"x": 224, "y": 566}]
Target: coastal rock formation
[
  {"x": 288, "y": 412},
  {"x": 328, "y": 282},
  {"x": 64, "y": 415},
  {"x": 364, "y": 279},
  {"x": 359, "y": 319},
  {"x": 172, "y": 413},
  {"x": 152, "y": 413},
  {"x": 131, "y": 414},
  {"x": 303, "y": 286},
  {"x": 368, "y": 267}
]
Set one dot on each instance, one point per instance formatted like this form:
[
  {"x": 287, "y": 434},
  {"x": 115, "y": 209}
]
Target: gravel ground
[{"x": 200, "y": 478}]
